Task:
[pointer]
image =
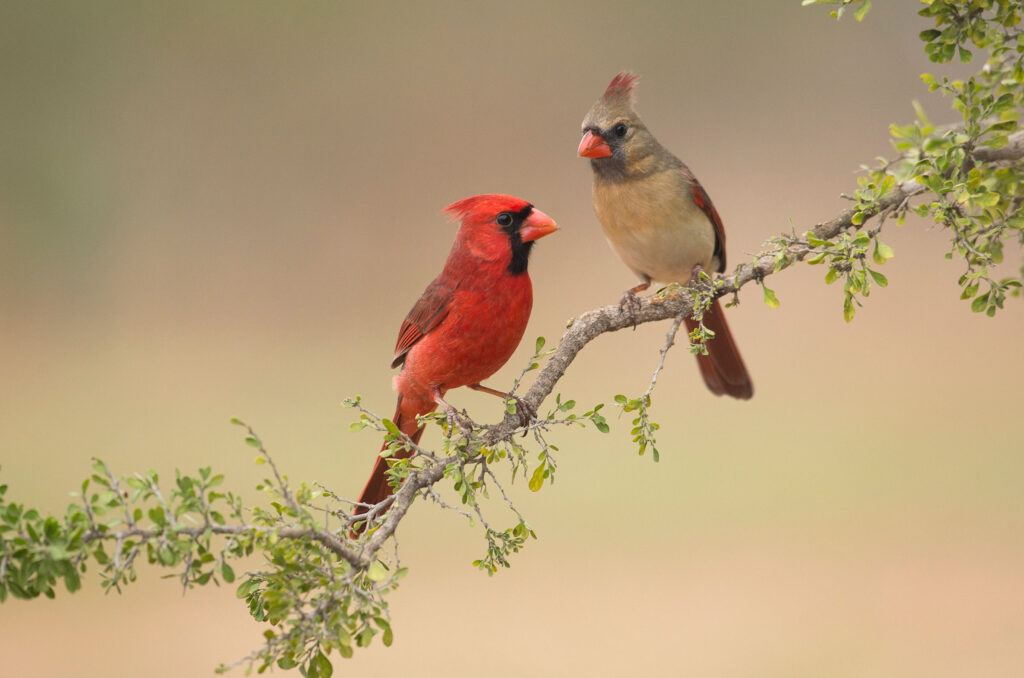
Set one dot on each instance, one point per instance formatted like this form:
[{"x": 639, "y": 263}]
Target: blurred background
[{"x": 225, "y": 209}]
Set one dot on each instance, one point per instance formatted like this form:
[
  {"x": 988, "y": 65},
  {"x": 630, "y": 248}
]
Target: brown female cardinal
[
  {"x": 658, "y": 219},
  {"x": 469, "y": 321}
]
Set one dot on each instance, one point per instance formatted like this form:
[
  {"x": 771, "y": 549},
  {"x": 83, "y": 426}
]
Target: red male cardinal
[
  {"x": 469, "y": 321},
  {"x": 658, "y": 219}
]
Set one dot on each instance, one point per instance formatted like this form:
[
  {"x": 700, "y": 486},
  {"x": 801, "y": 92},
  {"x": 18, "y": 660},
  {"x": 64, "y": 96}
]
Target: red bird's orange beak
[
  {"x": 593, "y": 146},
  {"x": 537, "y": 225}
]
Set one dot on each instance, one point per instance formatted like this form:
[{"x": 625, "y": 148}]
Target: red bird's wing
[
  {"x": 703, "y": 201},
  {"x": 429, "y": 311}
]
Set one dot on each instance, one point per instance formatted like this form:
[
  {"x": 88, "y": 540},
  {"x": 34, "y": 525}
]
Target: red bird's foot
[
  {"x": 456, "y": 419},
  {"x": 525, "y": 411}
]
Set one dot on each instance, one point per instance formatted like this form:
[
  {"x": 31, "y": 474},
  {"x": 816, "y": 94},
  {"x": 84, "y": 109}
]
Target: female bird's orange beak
[
  {"x": 537, "y": 225},
  {"x": 594, "y": 146}
]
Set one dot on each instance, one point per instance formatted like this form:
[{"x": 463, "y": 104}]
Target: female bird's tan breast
[{"x": 654, "y": 225}]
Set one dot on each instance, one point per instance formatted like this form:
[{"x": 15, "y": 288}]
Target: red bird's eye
[
  {"x": 620, "y": 130},
  {"x": 504, "y": 219}
]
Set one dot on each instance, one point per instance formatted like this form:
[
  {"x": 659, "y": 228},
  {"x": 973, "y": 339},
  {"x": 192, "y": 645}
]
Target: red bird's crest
[
  {"x": 621, "y": 86},
  {"x": 490, "y": 204}
]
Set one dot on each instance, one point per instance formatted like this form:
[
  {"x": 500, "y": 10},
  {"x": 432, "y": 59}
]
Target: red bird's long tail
[
  {"x": 377, "y": 488},
  {"x": 722, "y": 368}
]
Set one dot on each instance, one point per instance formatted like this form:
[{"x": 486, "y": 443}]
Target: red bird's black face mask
[{"x": 512, "y": 224}]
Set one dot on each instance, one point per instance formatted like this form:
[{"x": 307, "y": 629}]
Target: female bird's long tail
[{"x": 722, "y": 368}]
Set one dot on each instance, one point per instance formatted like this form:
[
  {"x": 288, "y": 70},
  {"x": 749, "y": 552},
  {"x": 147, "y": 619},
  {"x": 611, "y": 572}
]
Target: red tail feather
[
  {"x": 377, "y": 488},
  {"x": 722, "y": 368}
]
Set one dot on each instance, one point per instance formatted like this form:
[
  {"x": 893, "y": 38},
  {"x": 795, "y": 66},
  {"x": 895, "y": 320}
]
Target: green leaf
[
  {"x": 879, "y": 278},
  {"x": 537, "y": 479},
  {"x": 247, "y": 587},
  {"x": 323, "y": 665},
  {"x": 882, "y": 252},
  {"x": 376, "y": 571},
  {"x": 862, "y": 10},
  {"x": 389, "y": 635},
  {"x": 848, "y": 309},
  {"x": 252, "y": 442},
  {"x": 986, "y": 199},
  {"x": 390, "y": 426},
  {"x": 980, "y": 303},
  {"x": 770, "y": 300},
  {"x": 539, "y": 346}
]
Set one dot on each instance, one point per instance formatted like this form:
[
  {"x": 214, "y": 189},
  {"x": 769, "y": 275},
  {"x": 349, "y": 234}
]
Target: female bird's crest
[{"x": 621, "y": 87}]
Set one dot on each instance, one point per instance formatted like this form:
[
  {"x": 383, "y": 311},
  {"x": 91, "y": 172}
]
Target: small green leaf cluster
[
  {"x": 980, "y": 22},
  {"x": 977, "y": 200},
  {"x": 315, "y": 605},
  {"x": 704, "y": 291},
  {"x": 979, "y": 203},
  {"x": 593, "y": 415},
  {"x": 863, "y": 7},
  {"x": 37, "y": 551},
  {"x": 131, "y": 512},
  {"x": 501, "y": 544},
  {"x": 544, "y": 470},
  {"x": 312, "y": 589},
  {"x": 847, "y": 258},
  {"x": 699, "y": 337},
  {"x": 643, "y": 428}
]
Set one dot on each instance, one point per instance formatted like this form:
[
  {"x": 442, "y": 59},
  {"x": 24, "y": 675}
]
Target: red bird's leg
[
  {"x": 455, "y": 419},
  {"x": 630, "y": 302},
  {"x": 524, "y": 410}
]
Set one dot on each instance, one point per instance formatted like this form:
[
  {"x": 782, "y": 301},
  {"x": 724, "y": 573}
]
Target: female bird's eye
[
  {"x": 620, "y": 129},
  {"x": 504, "y": 219}
]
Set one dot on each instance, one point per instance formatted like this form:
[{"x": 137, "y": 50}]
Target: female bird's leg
[
  {"x": 464, "y": 423},
  {"x": 630, "y": 302},
  {"x": 524, "y": 410}
]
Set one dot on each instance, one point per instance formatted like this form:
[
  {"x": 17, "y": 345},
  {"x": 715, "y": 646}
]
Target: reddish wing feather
[
  {"x": 703, "y": 201},
  {"x": 429, "y": 311}
]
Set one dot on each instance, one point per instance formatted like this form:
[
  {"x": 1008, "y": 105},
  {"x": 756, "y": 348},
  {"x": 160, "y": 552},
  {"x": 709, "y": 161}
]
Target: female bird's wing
[
  {"x": 703, "y": 201},
  {"x": 429, "y": 311}
]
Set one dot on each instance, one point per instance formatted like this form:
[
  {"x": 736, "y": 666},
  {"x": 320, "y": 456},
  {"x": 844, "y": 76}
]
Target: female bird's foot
[{"x": 630, "y": 303}]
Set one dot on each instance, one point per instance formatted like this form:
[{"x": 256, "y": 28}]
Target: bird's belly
[{"x": 656, "y": 237}]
